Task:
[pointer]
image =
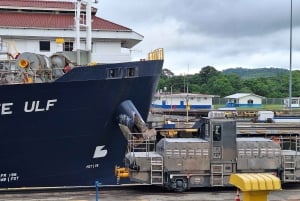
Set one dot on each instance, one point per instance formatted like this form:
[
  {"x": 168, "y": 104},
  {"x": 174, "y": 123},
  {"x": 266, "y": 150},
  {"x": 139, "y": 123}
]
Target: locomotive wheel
[{"x": 179, "y": 184}]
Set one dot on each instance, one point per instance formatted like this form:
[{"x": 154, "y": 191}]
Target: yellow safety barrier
[
  {"x": 255, "y": 186},
  {"x": 157, "y": 54}
]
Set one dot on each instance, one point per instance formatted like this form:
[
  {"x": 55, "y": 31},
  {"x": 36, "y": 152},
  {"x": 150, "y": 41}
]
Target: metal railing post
[{"x": 97, "y": 185}]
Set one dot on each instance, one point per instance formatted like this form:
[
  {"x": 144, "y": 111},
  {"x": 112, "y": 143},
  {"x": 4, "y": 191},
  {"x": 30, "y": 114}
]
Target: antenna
[{"x": 187, "y": 80}]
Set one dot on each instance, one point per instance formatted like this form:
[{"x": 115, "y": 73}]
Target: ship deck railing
[
  {"x": 288, "y": 142},
  {"x": 140, "y": 142}
]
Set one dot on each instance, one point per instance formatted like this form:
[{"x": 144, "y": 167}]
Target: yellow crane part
[
  {"x": 23, "y": 63},
  {"x": 255, "y": 186},
  {"x": 121, "y": 172}
]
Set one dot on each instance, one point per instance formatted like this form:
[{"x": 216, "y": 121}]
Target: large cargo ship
[
  {"x": 59, "y": 120},
  {"x": 66, "y": 132}
]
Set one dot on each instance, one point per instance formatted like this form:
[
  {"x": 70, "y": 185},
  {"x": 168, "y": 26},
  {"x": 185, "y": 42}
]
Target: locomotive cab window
[{"x": 217, "y": 133}]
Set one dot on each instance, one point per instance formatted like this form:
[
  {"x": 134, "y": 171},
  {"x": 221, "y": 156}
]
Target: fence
[{"x": 266, "y": 101}]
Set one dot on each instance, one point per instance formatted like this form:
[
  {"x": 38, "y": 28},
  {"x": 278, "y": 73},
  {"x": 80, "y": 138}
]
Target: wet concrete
[{"x": 143, "y": 194}]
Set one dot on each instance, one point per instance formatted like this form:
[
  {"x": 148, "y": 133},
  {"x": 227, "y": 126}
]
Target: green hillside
[{"x": 246, "y": 73}]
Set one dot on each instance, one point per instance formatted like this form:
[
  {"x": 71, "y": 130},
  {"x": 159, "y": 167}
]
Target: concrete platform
[{"x": 144, "y": 194}]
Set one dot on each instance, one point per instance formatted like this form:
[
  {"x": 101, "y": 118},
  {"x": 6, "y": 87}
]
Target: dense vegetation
[
  {"x": 245, "y": 73},
  {"x": 211, "y": 81}
]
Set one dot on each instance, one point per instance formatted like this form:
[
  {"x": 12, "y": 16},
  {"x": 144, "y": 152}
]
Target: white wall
[
  {"x": 173, "y": 100},
  {"x": 106, "y": 47},
  {"x": 108, "y": 52},
  {"x": 103, "y": 52},
  {"x": 256, "y": 100}
]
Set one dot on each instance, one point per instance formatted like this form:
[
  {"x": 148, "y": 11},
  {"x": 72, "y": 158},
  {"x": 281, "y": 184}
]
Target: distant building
[
  {"x": 244, "y": 100},
  {"x": 181, "y": 100},
  {"x": 295, "y": 102},
  {"x": 45, "y": 27}
]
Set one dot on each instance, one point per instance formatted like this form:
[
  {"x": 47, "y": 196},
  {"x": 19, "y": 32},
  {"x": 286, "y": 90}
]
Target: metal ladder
[
  {"x": 289, "y": 168},
  {"x": 156, "y": 170},
  {"x": 217, "y": 175},
  {"x": 297, "y": 144}
]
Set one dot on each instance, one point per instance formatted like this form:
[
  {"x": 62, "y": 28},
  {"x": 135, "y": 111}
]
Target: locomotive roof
[
  {"x": 252, "y": 139},
  {"x": 144, "y": 154},
  {"x": 184, "y": 140}
]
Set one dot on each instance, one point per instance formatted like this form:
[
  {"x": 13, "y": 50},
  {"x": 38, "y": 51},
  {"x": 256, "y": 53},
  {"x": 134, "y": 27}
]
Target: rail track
[{"x": 249, "y": 128}]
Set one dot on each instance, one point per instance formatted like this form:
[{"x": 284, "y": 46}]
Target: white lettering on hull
[
  {"x": 29, "y": 106},
  {"x": 6, "y": 108},
  {"x": 9, "y": 177},
  {"x": 36, "y": 106},
  {"x": 100, "y": 152}
]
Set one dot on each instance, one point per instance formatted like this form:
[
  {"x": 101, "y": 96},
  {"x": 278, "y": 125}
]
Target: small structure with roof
[
  {"x": 182, "y": 101},
  {"x": 295, "y": 102},
  {"x": 244, "y": 100}
]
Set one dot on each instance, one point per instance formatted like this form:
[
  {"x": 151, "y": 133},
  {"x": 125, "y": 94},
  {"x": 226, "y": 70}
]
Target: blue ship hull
[{"x": 65, "y": 133}]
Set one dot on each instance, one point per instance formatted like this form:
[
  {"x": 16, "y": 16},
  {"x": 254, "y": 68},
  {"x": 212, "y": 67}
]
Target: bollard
[
  {"x": 97, "y": 185},
  {"x": 255, "y": 186}
]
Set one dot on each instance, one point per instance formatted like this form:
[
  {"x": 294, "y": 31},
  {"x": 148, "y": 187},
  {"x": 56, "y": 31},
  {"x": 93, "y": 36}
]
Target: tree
[
  {"x": 220, "y": 85},
  {"x": 235, "y": 80},
  {"x": 206, "y": 73},
  {"x": 167, "y": 73}
]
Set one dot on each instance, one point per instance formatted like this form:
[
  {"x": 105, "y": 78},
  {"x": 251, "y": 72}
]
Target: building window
[
  {"x": 294, "y": 101},
  {"x": 44, "y": 45},
  {"x": 68, "y": 46},
  {"x": 250, "y": 101}
]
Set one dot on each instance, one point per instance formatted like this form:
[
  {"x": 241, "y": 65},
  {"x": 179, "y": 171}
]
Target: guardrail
[{"x": 157, "y": 54}]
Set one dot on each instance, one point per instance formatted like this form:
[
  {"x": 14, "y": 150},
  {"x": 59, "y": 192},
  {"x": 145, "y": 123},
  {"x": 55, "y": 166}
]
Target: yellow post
[{"x": 255, "y": 186}]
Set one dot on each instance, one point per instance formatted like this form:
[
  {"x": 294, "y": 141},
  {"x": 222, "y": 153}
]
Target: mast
[
  {"x": 77, "y": 26},
  {"x": 89, "y": 28},
  {"x": 87, "y": 24}
]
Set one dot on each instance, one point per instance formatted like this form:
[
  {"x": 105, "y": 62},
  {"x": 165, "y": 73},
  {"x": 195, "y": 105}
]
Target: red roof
[
  {"x": 52, "y": 21},
  {"x": 37, "y": 4},
  {"x": 11, "y": 16}
]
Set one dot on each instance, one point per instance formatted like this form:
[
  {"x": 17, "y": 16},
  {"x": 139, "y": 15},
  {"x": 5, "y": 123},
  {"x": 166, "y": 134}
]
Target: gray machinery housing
[{"x": 209, "y": 159}]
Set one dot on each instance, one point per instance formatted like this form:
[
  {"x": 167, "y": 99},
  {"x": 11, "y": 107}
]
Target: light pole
[
  {"x": 291, "y": 35},
  {"x": 186, "y": 99},
  {"x": 187, "y": 107},
  {"x": 171, "y": 97}
]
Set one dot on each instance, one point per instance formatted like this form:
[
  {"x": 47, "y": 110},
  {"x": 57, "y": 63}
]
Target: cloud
[{"x": 197, "y": 33}]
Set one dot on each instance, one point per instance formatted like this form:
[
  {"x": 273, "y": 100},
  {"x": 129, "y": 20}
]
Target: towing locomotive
[{"x": 208, "y": 158}]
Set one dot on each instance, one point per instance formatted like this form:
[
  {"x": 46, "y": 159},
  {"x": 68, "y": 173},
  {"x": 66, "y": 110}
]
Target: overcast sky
[{"x": 220, "y": 33}]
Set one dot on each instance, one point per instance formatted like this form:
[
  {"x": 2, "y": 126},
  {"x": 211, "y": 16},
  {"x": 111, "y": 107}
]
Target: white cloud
[{"x": 223, "y": 34}]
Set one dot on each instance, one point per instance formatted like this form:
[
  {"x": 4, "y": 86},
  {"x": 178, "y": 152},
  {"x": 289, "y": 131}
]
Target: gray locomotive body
[{"x": 208, "y": 159}]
